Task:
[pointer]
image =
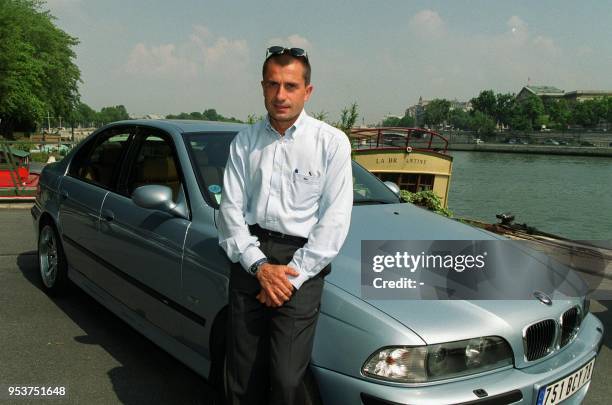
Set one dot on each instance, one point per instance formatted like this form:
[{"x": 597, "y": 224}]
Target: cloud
[
  {"x": 546, "y": 45},
  {"x": 442, "y": 61},
  {"x": 292, "y": 41},
  {"x": 427, "y": 23},
  {"x": 201, "y": 54},
  {"x": 518, "y": 29},
  {"x": 203, "y": 70},
  {"x": 158, "y": 61}
]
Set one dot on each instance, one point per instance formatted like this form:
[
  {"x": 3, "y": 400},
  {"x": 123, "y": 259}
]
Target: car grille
[
  {"x": 570, "y": 321},
  {"x": 539, "y": 339}
]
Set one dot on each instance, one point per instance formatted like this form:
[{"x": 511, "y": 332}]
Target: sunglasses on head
[{"x": 279, "y": 50}]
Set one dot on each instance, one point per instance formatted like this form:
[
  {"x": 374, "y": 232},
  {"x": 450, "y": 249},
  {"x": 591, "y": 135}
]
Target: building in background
[{"x": 550, "y": 92}]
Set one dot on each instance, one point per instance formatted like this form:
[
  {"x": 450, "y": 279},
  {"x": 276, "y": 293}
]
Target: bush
[{"x": 426, "y": 199}]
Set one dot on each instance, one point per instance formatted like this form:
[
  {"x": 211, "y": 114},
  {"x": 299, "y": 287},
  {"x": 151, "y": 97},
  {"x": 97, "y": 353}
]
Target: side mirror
[
  {"x": 393, "y": 187},
  {"x": 156, "y": 197}
]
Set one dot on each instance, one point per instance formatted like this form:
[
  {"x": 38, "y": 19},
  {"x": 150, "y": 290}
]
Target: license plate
[{"x": 557, "y": 391}]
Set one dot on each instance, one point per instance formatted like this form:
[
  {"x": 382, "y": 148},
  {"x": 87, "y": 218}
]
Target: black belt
[{"x": 265, "y": 233}]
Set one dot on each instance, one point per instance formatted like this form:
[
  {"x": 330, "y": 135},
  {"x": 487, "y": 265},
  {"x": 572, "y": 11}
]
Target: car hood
[{"x": 435, "y": 321}]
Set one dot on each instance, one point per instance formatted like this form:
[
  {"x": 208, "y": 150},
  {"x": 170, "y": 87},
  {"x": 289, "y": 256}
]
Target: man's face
[{"x": 285, "y": 91}]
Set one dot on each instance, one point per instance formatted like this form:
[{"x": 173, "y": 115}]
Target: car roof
[{"x": 187, "y": 126}]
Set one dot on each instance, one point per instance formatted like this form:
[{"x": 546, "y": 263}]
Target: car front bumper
[{"x": 506, "y": 386}]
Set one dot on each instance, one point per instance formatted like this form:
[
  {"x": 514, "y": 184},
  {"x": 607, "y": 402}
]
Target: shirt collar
[{"x": 290, "y": 132}]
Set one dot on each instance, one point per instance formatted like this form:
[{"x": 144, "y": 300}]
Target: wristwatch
[{"x": 255, "y": 266}]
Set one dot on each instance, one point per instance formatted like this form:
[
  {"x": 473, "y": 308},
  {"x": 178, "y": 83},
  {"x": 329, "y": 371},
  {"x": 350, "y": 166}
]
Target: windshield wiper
[{"x": 372, "y": 201}]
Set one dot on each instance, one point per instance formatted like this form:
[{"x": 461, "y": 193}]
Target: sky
[{"x": 163, "y": 57}]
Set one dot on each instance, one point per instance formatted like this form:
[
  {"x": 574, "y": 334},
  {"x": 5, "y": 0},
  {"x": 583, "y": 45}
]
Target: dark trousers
[{"x": 268, "y": 349}]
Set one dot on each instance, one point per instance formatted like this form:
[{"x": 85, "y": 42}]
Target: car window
[
  {"x": 209, "y": 153},
  {"x": 99, "y": 161},
  {"x": 154, "y": 163}
]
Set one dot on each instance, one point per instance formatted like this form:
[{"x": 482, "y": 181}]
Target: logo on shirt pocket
[{"x": 306, "y": 189}]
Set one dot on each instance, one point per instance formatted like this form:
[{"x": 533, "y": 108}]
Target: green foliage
[
  {"x": 43, "y": 157},
  {"x": 532, "y": 108},
  {"x": 559, "y": 113},
  {"x": 83, "y": 115},
  {"x": 405, "y": 122},
  {"x": 348, "y": 117},
  {"x": 25, "y": 146},
  {"x": 321, "y": 115},
  {"x": 482, "y": 123},
  {"x": 427, "y": 199},
  {"x": 252, "y": 118},
  {"x": 504, "y": 104},
  {"x": 501, "y": 107},
  {"x": 112, "y": 114},
  {"x": 486, "y": 103},
  {"x": 437, "y": 111},
  {"x": 528, "y": 114},
  {"x": 588, "y": 113},
  {"x": 37, "y": 70},
  {"x": 460, "y": 119},
  {"x": 208, "y": 115}
]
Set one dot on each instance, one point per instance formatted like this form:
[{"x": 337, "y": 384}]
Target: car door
[
  {"x": 144, "y": 247},
  {"x": 205, "y": 266},
  {"x": 92, "y": 173}
]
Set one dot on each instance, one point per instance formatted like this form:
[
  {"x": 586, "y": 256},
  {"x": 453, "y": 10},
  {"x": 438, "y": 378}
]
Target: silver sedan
[{"x": 129, "y": 216}]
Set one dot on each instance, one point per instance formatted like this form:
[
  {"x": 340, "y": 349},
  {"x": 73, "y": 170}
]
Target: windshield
[{"x": 209, "y": 152}]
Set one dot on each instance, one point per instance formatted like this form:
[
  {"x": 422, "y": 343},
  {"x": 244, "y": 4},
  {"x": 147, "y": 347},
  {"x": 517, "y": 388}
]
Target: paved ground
[{"x": 76, "y": 343}]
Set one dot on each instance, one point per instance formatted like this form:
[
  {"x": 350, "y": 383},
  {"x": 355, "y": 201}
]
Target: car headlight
[{"x": 418, "y": 364}]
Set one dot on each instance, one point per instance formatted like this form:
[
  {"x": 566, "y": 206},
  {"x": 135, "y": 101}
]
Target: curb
[{"x": 17, "y": 205}]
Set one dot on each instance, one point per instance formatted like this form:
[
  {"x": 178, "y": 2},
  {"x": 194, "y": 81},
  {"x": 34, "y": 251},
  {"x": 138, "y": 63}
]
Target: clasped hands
[{"x": 275, "y": 286}]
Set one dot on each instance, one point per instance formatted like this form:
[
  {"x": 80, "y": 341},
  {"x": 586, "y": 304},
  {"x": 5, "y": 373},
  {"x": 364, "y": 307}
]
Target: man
[{"x": 285, "y": 212}]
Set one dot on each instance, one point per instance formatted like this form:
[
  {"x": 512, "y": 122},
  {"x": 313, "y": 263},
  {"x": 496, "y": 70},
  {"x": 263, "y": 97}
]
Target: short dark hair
[{"x": 285, "y": 59}]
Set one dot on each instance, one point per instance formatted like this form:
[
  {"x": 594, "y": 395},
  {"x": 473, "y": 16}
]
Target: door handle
[
  {"x": 108, "y": 215},
  {"x": 63, "y": 195}
]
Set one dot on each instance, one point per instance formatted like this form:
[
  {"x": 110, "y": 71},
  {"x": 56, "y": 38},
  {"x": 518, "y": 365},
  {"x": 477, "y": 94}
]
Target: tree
[
  {"x": 391, "y": 122},
  {"x": 253, "y": 118},
  {"x": 83, "y": 115},
  {"x": 559, "y": 113},
  {"x": 348, "y": 117},
  {"x": 406, "y": 122},
  {"x": 321, "y": 115},
  {"x": 211, "y": 115},
  {"x": 112, "y": 114},
  {"x": 608, "y": 103},
  {"x": 531, "y": 109},
  {"x": 504, "y": 104},
  {"x": 460, "y": 119},
  {"x": 38, "y": 75},
  {"x": 485, "y": 103},
  {"x": 482, "y": 123},
  {"x": 437, "y": 111}
]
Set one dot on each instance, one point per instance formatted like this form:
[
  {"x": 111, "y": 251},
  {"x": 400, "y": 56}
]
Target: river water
[{"x": 569, "y": 196}]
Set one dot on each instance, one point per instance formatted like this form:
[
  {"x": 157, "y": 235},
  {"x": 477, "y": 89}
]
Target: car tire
[
  {"x": 52, "y": 264},
  {"x": 308, "y": 392}
]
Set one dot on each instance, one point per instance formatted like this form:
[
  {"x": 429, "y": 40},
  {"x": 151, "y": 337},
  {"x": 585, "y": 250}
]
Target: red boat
[{"x": 16, "y": 180}]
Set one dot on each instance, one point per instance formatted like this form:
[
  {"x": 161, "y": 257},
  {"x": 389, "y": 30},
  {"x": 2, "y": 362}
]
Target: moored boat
[
  {"x": 416, "y": 159},
  {"x": 17, "y": 182}
]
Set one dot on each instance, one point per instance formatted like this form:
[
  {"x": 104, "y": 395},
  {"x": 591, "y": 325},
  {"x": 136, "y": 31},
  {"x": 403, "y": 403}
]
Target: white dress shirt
[{"x": 298, "y": 184}]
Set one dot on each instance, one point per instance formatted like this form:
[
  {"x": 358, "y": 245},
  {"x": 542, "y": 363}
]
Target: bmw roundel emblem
[{"x": 543, "y": 297}]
